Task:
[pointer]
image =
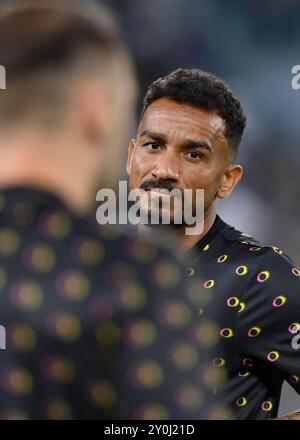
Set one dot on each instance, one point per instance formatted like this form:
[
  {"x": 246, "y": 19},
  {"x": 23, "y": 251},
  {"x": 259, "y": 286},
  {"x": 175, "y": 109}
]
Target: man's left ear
[
  {"x": 94, "y": 119},
  {"x": 131, "y": 148},
  {"x": 230, "y": 179}
]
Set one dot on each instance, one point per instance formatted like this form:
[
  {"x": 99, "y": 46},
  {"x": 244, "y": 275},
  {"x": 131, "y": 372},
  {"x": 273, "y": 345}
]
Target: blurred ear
[
  {"x": 230, "y": 179},
  {"x": 131, "y": 147},
  {"x": 94, "y": 108}
]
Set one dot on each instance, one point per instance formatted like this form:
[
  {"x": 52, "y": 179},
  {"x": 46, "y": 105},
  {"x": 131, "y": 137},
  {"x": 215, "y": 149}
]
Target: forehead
[{"x": 170, "y": 117}]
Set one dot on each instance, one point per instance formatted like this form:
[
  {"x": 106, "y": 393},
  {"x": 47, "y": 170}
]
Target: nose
[{"x": 166, "y": 167}]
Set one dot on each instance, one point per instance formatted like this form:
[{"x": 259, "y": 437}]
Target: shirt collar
[{"x": 213, "y": 231}]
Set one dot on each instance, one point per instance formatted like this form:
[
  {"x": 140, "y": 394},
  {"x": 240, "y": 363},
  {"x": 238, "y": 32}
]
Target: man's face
[{"x": 180, "y": 146}]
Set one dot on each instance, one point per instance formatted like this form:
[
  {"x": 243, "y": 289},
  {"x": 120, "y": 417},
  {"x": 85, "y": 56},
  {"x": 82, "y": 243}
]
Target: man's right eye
[{"x": 152, "y": 146}]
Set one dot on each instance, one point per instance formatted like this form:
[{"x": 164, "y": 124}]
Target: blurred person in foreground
[
  {"x": 97, "y": 323},
  {"x": 190, "y": 129}
]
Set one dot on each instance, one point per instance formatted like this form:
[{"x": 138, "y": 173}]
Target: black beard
[
  {"x": 159, "y": 183},
  {"x": 168, "y": 184}
]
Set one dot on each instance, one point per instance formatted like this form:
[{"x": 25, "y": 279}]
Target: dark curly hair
[{"x": 205, "y": 91}]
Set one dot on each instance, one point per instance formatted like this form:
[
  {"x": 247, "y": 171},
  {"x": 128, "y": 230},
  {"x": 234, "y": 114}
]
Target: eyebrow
[
  {"x": 188, "y": 143},
  {"x": 158, "y": 137}
]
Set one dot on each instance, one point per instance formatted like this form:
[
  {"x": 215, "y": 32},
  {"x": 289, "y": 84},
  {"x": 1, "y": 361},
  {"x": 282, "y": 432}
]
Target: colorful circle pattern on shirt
[
  {"x": 98, "y": 323},
  {"x": 255, "y": 306}
]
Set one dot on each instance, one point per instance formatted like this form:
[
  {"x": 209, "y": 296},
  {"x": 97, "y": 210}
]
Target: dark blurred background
[{"x": 252, "y": 44}]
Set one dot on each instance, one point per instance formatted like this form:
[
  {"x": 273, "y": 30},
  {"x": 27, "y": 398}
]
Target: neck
[
  {"x": 30, "y": 161},
  {"x": 187, "y": 242}
]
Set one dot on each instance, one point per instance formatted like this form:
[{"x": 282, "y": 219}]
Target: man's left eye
[{"x": 194, "y": 155}]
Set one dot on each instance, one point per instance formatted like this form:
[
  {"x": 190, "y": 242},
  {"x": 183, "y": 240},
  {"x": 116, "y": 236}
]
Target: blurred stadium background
[{"x": 253, "y": 45}]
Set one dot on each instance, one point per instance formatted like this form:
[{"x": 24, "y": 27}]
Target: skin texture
[
  {"x": 180, "y": 146},
  {"x": 293, "y": 416}
]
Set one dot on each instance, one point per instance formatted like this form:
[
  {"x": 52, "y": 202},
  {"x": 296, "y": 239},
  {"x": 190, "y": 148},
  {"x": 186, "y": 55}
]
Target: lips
[{"x": 161, "y": 191}]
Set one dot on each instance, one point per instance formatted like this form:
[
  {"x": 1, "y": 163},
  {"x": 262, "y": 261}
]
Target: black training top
[{"x": 256, "y": 304}]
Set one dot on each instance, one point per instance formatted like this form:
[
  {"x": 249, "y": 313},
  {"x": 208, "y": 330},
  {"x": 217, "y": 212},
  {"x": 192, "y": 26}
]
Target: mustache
[{"x": 159, "y": 183}]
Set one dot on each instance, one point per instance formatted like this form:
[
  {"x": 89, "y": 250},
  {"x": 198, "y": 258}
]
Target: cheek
[
  {"x": 138, "y": 169},
  {"x": 141, "y": 163},
  {"x": 194, "y": 178},
  {"x": 203, "y": 178}
]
